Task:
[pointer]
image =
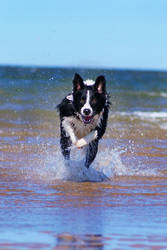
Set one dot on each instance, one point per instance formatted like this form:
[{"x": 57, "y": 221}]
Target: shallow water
[{"x": 120, "y": 202}]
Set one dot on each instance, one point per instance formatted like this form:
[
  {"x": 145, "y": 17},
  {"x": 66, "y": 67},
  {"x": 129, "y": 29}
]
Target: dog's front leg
[
  {"x": 70, "y": 132},
  {"x": 87, "y": 139}
]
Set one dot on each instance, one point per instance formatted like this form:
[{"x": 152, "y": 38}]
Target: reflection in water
[
  {"x": 50, "y": 240},
  {"x": 69, "y": 241}
]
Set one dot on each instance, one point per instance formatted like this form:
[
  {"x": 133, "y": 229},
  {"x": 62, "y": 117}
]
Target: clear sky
[{"x": 89, "y": 33}]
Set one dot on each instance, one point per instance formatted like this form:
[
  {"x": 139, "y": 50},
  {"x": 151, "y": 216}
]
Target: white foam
[
  {"x": 163, "y": 94},
  {"x": 147, "y": 93},
  {"x": 157, "y": 118},
  {"x": 156, "y": 94},
  {"x": 152, "y": 115},
  {"x": 144, "y": 114}
]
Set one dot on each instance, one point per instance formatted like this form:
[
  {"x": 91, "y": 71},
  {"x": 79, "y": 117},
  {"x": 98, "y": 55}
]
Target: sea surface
[{"x": 120, "y": 202}]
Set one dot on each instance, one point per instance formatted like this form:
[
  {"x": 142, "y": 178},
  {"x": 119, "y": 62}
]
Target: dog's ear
[
  {"x": 100, "y": 84},
  {"x": 77, "y": 82}
]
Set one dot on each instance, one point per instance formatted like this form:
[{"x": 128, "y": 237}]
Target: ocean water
[{"x": 120, "y": 201}]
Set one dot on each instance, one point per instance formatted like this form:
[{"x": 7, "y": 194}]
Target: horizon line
[{"x": 82, "y": 67}]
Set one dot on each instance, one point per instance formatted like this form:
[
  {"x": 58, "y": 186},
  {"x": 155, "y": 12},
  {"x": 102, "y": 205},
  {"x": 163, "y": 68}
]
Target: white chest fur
[{"x": 80, "y": 129}]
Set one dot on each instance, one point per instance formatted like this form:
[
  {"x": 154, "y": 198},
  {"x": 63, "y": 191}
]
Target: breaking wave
[
  {"x": 157, "y": 118},
  {"x": 143, "y": 115}
]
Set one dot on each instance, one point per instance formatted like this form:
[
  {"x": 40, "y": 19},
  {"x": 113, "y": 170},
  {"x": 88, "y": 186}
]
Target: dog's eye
[{"x": 82, "y": 101}]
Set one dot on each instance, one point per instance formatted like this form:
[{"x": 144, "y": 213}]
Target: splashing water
[{"x": 51, "y": 166}]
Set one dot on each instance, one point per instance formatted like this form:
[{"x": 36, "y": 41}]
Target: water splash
[
  {"x": 109, "y": 163},
  {"x": 52, "y": 166},
  {"x": 56, "y": 168}
]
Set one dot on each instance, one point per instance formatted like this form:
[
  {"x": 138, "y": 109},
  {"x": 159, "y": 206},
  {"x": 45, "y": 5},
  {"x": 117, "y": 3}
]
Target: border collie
[{"x": 83, "y": 117}]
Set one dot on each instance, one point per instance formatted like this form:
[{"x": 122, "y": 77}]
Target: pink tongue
[{"x": 87, "y": 118}]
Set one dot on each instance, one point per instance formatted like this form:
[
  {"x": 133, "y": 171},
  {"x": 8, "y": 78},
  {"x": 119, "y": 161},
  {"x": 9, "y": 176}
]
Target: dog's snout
[{"x": 87, "y": 111}]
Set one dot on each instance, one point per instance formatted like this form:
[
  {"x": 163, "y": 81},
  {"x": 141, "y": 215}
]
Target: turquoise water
[{"x": 120, "y": 202}]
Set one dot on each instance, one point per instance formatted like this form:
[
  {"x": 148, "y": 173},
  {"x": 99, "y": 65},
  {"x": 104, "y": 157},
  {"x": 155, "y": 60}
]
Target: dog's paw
[
  {"x": 86, "y": 140},
  {"x": 81, "y": 143}
]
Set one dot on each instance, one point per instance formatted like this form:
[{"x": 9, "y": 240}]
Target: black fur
[{"x": 71, "y": 106}]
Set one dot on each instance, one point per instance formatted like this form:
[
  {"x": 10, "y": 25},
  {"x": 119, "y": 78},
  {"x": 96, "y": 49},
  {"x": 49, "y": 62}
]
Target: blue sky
[{"x": 91, "y": 33}]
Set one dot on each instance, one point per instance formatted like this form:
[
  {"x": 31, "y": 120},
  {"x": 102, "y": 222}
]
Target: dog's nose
[{"x": 87, "y": 111}]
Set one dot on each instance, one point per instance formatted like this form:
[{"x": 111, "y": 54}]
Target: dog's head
[{"x": 89, "y": 97}]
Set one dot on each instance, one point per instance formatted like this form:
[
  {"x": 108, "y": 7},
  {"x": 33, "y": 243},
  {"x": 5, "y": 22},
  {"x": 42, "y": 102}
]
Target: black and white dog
[{"x": 83, "y": 116}]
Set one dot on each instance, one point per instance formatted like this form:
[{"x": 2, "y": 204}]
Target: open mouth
[{"x": 87, "y": 119}]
